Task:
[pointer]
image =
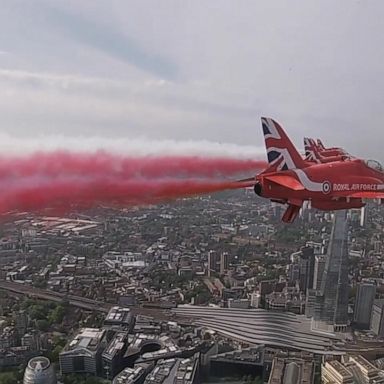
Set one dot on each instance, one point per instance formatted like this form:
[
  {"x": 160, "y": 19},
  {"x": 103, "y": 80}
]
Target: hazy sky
[{"x": 203, "y": 70}]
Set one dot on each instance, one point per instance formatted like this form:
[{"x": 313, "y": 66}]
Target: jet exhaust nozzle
[{"x": 257, "y": 188}]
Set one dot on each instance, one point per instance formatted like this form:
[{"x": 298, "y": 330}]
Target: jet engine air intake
[{"x": 257, "y": 188}]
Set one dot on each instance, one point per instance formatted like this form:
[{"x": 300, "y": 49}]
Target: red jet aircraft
[
  {"x": 315, "y": 154},
  {"x": 291, "y": 180},
  {"x": 334, "y": 151}
]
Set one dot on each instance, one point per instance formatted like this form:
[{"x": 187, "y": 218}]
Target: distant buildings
[
  {"x": 213, "y": 260},
  {"x": 217, "y": 263},
  {"x": 239, "y": 303},
  {"x": 255, "y": 299},
  {"x": 365, "y": 296},
  {"x": 377, "y": 318},
  {"x": 352, "y": 369},
  {"x": 363, "y": 216},
  {"x": 21, "y": 322},
  {"x": 333, "y": 372},
  {"x": 224, "y": 262},
  {"x": 318, "y": 271},
  {"x": 306, "y": 266},
  {"x": 174, "y": 371},
  {"x": 39, "y": 371},
  {"x": 292, "y": 370},
  {"x": 291, "y": 300},
  {"x": 135, "y": 375}
]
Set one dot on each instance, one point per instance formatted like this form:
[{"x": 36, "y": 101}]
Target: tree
[
  {"x": 82, "y": 379},
  {"x": 7, "y": 378},
  {"x": 57, "y": 315},
  {"x": 37, "y": 312},
  {"x": 54, "y": 355},
  {"x": 42, "y": 325}
]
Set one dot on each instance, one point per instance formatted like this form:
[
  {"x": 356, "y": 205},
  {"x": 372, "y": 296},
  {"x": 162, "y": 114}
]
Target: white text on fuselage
[{"x": 357, "y": 187}]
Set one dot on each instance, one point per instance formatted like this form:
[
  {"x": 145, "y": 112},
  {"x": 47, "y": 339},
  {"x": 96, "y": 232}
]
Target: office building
[
  {"x": 119, "y": 318},
  {"x": 351, "y": 370},
  {"x": 364, "y": 370},
  {"x": 224, "y": 262},
  {"x": 175, "y": 371},
  {"x": 244, "y": 362},
  {"x": 135, "y": 375},
  {"x": 39, "y": 371},
  {"x": 293, "y": 273},
  {"x": 363, "y": 216},
  {"x": 113, "y": 355},
  {"x": 213, "y": 261},
  {"x": 318, "y": 271},
  {"x": 83, "y": 353},
  {"x": 292, "y": 370},
  {"x": 333, "y": 372},
  {"x": 32, "y": 341},
  {"x": 239, "y": 303},
  {"x": 306, "y": 266},
  {"x": 255, "y": 299},
  {"x": 365, "y": 296},
  {"x": 21, "y": 322},
  {"x": 377, "y": 318}
]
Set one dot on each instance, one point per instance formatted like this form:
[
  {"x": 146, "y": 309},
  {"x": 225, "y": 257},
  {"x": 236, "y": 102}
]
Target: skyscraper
[
  {"x": 307, "y": 266},
  {"x": 365, "y": 297},
  {"x": 318, "y": 271},
  {"x": 363, "y": 216},
  {"x": 213, "y": 259},
  {"x": 224, "y": 262},
  {"x": 329, "y": 305},
  {"x": 334, "y": 285}
]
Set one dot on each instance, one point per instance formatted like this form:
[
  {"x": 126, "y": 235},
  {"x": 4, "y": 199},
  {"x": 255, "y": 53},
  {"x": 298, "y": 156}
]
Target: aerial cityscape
[{"x": 203, "y": 289}]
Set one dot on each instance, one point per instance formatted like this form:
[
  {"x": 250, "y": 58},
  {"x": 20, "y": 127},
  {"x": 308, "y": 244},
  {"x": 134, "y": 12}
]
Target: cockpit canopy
[{"x": 374, "y": 165}]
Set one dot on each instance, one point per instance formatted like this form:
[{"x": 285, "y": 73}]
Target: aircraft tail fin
[
  {"x": 320, "y": 145},
  {"x": 281, "y": 153},
  {"x": 311, "y": 150}
]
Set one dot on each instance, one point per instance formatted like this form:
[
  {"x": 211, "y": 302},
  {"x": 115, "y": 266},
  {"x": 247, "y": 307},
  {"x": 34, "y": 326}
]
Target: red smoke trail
[
  {"x": 64, "y": 180},
  {"x": 102, "y": 163},
  {"x": 88, "y": 193}
]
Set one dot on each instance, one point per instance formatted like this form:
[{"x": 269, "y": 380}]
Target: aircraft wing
[{"x": 286, "y": 181}]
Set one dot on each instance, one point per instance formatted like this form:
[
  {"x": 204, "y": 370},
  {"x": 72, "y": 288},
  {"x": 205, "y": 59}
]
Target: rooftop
[
  {"x": 131, "y": 375},
  {"x": 88, "y": 338},
  {"x": 119, "y": 315},
  {"x": 258, "y": 326},
  {"x": 39, "y": 363},
  {"x": 116, "y": 345}
]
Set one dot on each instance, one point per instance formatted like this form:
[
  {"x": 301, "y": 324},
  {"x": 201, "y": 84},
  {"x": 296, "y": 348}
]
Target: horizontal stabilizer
[{"x": 286, "y": 181}]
